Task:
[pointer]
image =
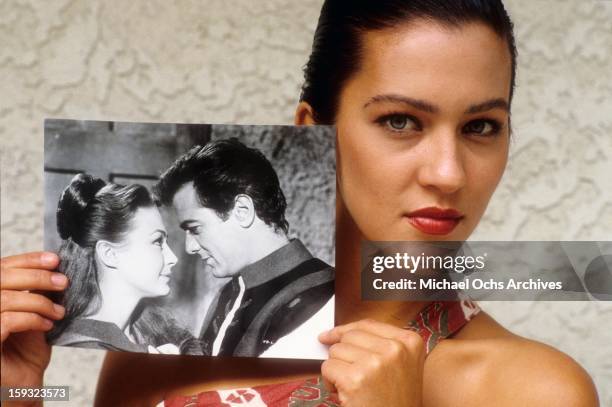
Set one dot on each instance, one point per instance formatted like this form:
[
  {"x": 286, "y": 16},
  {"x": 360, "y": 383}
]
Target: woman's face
[
  {"x": 423, "y": 131},
  {"x": 144, "y": 259}
]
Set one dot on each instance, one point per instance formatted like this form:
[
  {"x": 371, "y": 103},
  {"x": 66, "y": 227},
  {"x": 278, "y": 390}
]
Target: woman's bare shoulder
[{"x": 488, "y": 363}]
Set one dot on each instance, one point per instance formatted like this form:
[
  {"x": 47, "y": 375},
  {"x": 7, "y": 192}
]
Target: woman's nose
[
  {"x": 191, "y": 245},
  {"x": 170, "y": 257},
  {"x": 442, "y": 166}
]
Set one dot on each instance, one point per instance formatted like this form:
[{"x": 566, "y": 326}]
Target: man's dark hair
[
  {"x": 336, "y": 48},
  {"x": 221, "y": 170}
]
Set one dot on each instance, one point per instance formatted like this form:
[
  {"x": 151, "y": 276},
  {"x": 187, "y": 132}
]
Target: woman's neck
[
  {"x": 124, "y": 301},
  {"x": 349, "y": 305}
]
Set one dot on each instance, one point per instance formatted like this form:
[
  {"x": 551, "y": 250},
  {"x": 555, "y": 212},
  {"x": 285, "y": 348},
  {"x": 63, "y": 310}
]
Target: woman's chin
[
  {"x": 165, "y": 290},
  {"x": 162, "y": 289}
]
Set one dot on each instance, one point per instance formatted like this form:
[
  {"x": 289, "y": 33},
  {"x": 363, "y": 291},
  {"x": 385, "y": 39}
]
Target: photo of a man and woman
[{"x": 194, "y": 239}]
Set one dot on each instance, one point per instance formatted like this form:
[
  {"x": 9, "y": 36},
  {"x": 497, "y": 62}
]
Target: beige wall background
[{"x": 240, "y": 62}]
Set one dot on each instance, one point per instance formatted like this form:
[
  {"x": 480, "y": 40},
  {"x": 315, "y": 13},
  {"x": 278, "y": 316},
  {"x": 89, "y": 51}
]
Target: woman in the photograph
[
  {"x": 114, "y": 253},
  {"x": 420, "y": 92}
]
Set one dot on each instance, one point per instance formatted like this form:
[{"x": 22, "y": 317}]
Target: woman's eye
[
  {"x": 398, "y": 122},
  {"x": 159, "y": 242},
  {"x": 482, "y": 127}
]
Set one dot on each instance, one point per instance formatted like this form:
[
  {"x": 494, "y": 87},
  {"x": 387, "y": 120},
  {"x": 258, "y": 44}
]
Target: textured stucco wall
[{"x": 234, "y": 62}]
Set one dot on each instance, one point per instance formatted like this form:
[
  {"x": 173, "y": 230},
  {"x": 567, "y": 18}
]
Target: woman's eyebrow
[
  {"x": 498, "y": 103},
  {"x": 491, "y": 104},
  {"x": 163, "y": 232},
  {"x": 416, "y": 103}
]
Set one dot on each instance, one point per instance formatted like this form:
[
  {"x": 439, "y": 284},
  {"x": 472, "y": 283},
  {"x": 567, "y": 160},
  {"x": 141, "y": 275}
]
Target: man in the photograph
[{"x": 229, "y": 202}]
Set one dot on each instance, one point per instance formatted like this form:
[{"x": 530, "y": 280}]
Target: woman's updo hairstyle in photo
[
  {"x": 73, "y": 203},
  {"x": 90, "y": 210},
  {"x": 336, "y": 48}
]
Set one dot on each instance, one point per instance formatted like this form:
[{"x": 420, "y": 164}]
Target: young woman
[
  {"x": 420, "y": 92},
  {"x": 114, "y": 253}
]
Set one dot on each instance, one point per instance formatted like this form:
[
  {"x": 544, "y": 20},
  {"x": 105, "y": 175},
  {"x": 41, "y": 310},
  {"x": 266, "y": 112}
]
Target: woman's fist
[{"x": 374, "y": 364}]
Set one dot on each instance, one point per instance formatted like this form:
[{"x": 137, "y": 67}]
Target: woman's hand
[
  {"x": 25, "y": 315},
  {"x": 374, "y": 364}
]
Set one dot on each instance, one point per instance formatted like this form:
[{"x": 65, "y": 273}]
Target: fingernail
[
  {"x": 59, "y": 310},
  {"x": 49, "y": 258},
  {"x": 58, "y": 279},
  {"x": 48, "y": 324}
]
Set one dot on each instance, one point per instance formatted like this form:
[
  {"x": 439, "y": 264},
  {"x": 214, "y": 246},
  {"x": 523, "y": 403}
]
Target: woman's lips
[{"x": 435, "y": 221}]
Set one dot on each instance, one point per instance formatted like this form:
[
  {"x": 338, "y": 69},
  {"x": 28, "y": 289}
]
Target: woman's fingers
[
  {"x": 30, "y": 302},
  {"x": 30, "y": 271},
  {"x": 329, "y": 385},
  {"x": 23, "y": 310},
  {"x": 333, "y": 371},
  {"x": 365, "y": 340},
  {"x": 13, "y": 322},
  {"x": 373, "y": 363},
  {"x": 369, "y": 325},
  {"x": 35, "y": 260},
  {"x": 348, "y": 352},
  {"x": 32, "y": 279},
  {"x": 374, "y": 328}
]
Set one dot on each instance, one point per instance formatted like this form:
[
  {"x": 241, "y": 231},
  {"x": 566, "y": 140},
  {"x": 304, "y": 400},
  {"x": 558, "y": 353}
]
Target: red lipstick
[{"x": 435, "y": 221}]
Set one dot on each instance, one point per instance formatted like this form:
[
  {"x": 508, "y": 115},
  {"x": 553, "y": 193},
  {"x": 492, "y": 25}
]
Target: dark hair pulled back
[
  {"x": 90, "y": 210},
  {"x": 336, "y": 47}
]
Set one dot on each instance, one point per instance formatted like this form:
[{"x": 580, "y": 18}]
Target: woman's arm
[{"x": 132, "y": 379}]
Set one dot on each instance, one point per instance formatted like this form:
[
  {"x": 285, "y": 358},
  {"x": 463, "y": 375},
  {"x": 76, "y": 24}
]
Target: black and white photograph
[{"x": 192, "y": 239}]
